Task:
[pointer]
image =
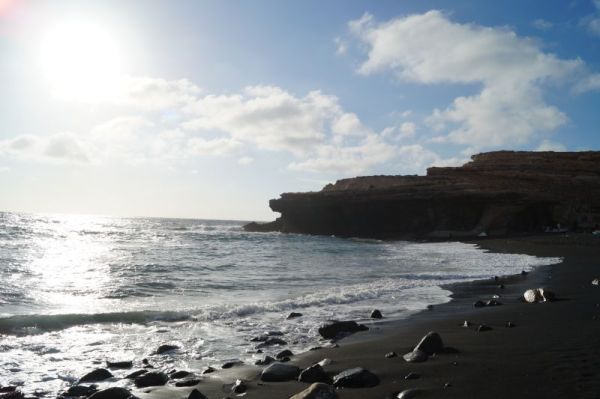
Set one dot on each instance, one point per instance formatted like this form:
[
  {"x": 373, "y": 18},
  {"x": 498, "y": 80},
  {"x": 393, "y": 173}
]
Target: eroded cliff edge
[{"x": 497, "y": 193}]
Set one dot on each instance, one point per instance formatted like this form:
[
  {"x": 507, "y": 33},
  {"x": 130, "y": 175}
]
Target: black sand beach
[{"x": 552, "y": 350}]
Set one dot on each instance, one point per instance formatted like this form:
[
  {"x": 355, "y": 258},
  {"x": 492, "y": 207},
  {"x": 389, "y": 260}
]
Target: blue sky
[{"x": 210, "y": 108}]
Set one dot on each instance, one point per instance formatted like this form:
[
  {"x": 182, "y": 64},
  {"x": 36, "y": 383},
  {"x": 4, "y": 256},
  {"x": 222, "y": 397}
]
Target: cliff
[{"x": 497, "y": 193}]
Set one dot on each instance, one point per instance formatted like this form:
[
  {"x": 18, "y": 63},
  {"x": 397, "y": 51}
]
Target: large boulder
[
  {"x": 415, "y": 356},
  {"x": 317, "y": 391},
  {"x": 314, "y": 373},
  {"x": 335, "y": 329},
  {"x": 96, "y": 375},
  {"x": 151, "y": 379},
  {"x": 430, "y": 343},
  {"x": 355, "y": 378},
  {"x": 112, "y": 393},
  {"x": 278, "y": 372}
]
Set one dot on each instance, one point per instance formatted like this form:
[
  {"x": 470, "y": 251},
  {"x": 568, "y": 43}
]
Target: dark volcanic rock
[
  {"x": 239, "y": 387},
  {"x": 430, "y": 343},
  {"x": 188, "y": 382},
  {"x": 496, "y": 193},
  {"x": 209, "y": 370},
  {"x": 493, "y": 302},
  {"x": 389, "y": 355},
  {"x": 80, "y": 390},
  {"x": 294, "y": 315},
  {"x": 314, "y": 373},
  {"x": 196, "y": 394},
  {"x": 355, "y": 378},
  {"x": 119, "y": 365},
  {"x": 415, "y": 356},
  {"x": 96, "y": 375},
  {"x": 409, "y": 393},
  {"x": 317, "y": 391},
  {"x": 483, "y": 327},
  {"x": 12, "y": 395},
  {"x": 229, "y": 365},
  {"x": 278, "y": 372},
  {"x": 166, "y": 348},
  {"x": 151, "y": 379},
  {"x": 284, "y": 353},
  {"x": 112, "y": 393},
  {"x": 376, "y": 314},
  {"x": 263, "y": 362},
  {"x": 412, "y": 376},
  {"x": 179, "y": 374},
  {"x": 335, "y": 329},
  {"x": 479, "y": 304},
  {"x": 135, "y": 374}
]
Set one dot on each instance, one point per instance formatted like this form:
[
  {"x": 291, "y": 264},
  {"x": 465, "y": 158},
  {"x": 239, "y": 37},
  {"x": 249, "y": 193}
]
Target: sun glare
[{"x": 80, "y": 62}]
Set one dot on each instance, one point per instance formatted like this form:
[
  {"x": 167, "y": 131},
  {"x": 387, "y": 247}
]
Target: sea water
[{"x": 76, "y": 291}]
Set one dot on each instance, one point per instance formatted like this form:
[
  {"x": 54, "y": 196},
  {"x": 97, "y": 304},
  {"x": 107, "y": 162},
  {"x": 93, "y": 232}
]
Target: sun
[{"x": 80, "y": 61}]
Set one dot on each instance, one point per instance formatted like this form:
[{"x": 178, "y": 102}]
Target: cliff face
[{"x": 496, "y": 193}]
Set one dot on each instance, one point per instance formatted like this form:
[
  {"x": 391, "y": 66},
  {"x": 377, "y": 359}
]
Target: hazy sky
[{"x": 210, "y": 108}]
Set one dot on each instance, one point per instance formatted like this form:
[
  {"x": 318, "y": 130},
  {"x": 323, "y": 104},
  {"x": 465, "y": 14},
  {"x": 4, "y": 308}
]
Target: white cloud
[
  {"x": 548, "y": 145},
  {"x": 340, "y": 45},
  {"x": 217, "y": 146},
  {"x": 57, "y": 148},
  {"x": 268, "y": 116},
  {"x": 592, "y": 22},
  {"x": 155, "y": 93},
  {"x": 431, "y": 49},
  {"x": 542, "y": 24},
  {"x": 4, "y": 169},
  {"x": 347, "y": 160},
  {"x": 404, "y": 131},
  {"x": 589, "y": 83},
  {"x": 274, "y": 119},
  {"x": 314, "y": 128}
]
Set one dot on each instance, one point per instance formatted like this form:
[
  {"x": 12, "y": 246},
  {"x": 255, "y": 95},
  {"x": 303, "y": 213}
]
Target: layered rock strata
[{"x": 497, "y": 193}]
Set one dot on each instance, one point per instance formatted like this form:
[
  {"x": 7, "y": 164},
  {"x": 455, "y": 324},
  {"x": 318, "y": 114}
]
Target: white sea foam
[{"x": 82, "y": 290}]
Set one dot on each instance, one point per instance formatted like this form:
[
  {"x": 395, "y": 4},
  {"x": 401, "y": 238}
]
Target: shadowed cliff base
[{"x": 497, "y": 193}]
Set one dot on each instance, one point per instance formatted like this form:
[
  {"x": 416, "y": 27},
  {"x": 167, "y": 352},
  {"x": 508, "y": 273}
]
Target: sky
[{"x": 208, "y": 109}]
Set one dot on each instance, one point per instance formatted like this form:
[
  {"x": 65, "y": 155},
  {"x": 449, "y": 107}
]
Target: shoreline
[
  {"x": 527, "y": 359},
  {"x": 542, "y": 354}
]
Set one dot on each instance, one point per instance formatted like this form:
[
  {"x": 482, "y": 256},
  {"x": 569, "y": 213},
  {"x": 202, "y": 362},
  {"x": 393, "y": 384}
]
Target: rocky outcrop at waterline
[{"x": 496, "y": 193}]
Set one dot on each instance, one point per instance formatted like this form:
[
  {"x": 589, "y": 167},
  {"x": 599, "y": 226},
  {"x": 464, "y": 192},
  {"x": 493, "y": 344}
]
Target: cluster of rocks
[
  {"x": 145, "y": 377},
  {"x": 538, "y": 295}
]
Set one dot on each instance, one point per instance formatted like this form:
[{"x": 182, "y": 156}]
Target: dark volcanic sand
[{"x": 552, "y": 352}]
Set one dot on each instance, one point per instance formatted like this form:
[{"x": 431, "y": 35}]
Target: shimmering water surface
[{"x": 79, "y": 290}]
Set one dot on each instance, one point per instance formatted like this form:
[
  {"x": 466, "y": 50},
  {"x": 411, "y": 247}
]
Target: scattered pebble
[
  {"x": 391, "y": 354},
  {"x": 483, "y": 327},
  {"x": 412, "y": 376}
]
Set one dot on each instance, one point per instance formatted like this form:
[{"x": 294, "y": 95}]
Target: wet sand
[{"x": 553, "y": 350}]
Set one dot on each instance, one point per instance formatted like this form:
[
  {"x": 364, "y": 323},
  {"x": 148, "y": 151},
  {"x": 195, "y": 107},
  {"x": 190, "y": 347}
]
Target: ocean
[{"x": 77, "y": 291}]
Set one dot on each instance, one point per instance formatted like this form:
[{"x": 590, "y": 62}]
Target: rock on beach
[
  {"x": 278, "y": 372},
  {"x": 355, "y": 378},
  {"x": 335, "y": 329}
]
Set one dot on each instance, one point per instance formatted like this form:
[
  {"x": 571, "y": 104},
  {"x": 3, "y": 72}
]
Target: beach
[
  {"x": 551, "y": 350},
  {"x": 547, "y": 349}
]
